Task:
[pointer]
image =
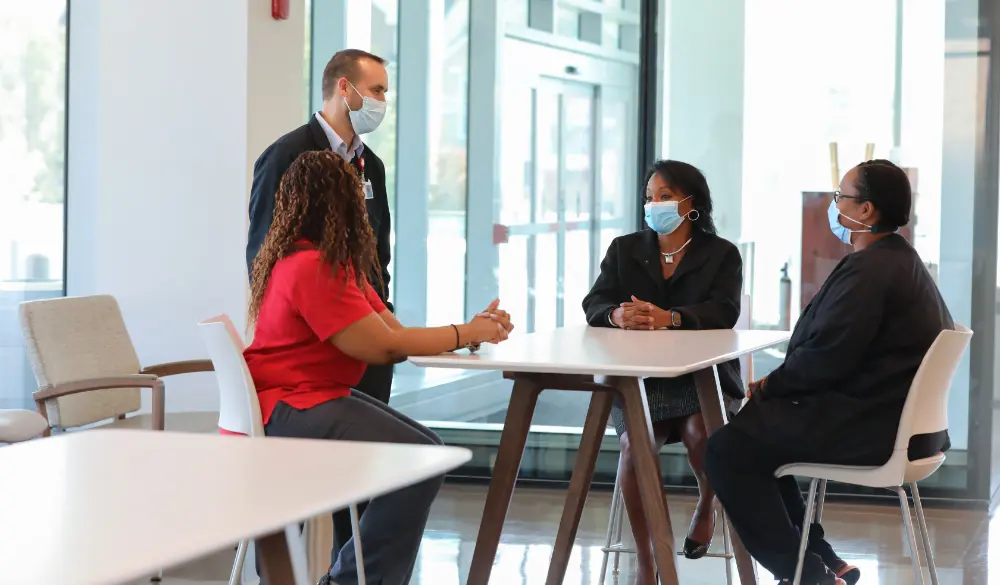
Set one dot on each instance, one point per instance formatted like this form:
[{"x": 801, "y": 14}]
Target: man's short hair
[{"x": 345, "y": 64}]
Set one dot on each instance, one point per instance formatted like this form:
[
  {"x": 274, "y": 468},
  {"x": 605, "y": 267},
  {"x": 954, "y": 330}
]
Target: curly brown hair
[{"x": 320, "y": 200}]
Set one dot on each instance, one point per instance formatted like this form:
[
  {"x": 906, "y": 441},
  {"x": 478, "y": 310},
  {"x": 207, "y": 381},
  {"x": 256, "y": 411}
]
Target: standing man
[{"x": 354, "y": 87}]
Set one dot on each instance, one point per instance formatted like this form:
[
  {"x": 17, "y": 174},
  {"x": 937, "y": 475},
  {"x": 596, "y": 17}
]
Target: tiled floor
[{"x": 870, "y": 536}]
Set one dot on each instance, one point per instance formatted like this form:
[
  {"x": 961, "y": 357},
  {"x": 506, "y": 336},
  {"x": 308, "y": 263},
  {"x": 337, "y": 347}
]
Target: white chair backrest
[
  {"x": 926, "y": 408},
  {"x": 744, "y": 323},
  {"x": 239, "y": 410}
]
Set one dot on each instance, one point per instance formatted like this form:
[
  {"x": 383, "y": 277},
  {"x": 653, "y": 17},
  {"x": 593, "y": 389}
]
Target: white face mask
[{"x": 371, "y": 114}]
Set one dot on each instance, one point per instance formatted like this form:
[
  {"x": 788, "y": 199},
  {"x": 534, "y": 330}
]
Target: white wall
[
  {"x": 170, "y": 102},
  {"x": 703, "y": 98}
]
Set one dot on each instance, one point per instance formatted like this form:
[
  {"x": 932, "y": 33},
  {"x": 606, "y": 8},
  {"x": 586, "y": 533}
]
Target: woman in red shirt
[{"x": 318, "y": 323}]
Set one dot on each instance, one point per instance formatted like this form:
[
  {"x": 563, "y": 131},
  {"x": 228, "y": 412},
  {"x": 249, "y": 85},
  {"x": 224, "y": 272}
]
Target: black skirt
[{"x": 668, "y": 398}]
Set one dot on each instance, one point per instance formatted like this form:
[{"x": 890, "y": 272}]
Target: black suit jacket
[
  {"x": 705, "y": 287},
  {"x": 273, "y": 163},
  {"x": 839, "y": 394}
]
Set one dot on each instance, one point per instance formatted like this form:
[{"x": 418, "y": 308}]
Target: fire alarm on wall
[{"x": 279, "y": 9}]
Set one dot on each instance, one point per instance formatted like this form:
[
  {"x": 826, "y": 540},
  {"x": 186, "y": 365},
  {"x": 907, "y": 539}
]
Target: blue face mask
[
  {"x": 843, "y": 234},
  {"x": 662, "y": 216}
]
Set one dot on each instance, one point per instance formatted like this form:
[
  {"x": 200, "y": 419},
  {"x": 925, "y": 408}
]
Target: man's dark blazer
[{"x": 273, "y": 163}]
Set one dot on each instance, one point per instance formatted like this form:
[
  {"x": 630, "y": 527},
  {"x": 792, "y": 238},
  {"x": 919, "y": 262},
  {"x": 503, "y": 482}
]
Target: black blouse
[{"x": 705, "y": 287}]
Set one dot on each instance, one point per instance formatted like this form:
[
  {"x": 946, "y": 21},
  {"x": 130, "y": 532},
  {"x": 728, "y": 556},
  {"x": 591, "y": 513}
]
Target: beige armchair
[{"x": 88, "y": 371}]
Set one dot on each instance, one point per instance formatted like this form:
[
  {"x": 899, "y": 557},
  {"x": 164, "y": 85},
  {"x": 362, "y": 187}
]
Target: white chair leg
[
  {"x": 356, "y": 529},
  {"x": 820, "y": 500},
  {"x": 250, "y": 576},
  {"x": 619, "y": 521},
  {"x": 611, "y": 530},
  {"x": 158, "y": 577},
  {"x": 804, "y": 543},
  {"x": 727, "y": 547},
  {"x": 925, "y": 535},
  {"x": 904, "y": 505},
  {"x": 236, "y": 575}
]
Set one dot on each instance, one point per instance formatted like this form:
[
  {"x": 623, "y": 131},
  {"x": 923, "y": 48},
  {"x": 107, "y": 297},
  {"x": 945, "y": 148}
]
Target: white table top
[
  {"x": 104, "y": 507},
  {"x": 602, "y": 351}
]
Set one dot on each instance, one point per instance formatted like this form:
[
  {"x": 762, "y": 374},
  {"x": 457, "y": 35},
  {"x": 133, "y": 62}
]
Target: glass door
[{"x": 568, "y": 186}]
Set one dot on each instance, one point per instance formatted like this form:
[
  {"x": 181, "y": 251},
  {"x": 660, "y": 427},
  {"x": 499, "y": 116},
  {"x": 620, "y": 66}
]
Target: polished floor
[{"x": 870, "y": 536}]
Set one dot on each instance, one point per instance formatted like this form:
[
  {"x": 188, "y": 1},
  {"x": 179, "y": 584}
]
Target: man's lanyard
[{"x": 359, "y": 163}]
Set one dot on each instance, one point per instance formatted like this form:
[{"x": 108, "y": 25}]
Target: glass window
[
  {"x": 563, "y": 134},
  {"x": 32, "y": 171},
  {"x": 774, "y": 145}
]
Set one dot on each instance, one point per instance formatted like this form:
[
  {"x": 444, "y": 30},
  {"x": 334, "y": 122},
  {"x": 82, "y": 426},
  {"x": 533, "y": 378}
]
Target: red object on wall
[
  {"x": 501, "y": 234},
  {"x": 279, "y": 9},
  {"x": 821, "y": 250}
]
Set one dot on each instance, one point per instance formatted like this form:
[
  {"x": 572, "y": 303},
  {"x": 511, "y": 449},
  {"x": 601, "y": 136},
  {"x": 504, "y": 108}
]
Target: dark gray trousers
[
  {"x": 392, "y": 525},
  {"x": 376, "y": 383}
]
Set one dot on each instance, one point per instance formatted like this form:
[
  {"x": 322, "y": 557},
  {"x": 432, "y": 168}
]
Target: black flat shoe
[
  {"x": 850, "y": 574},
  {"x": 695, "y": 550}
]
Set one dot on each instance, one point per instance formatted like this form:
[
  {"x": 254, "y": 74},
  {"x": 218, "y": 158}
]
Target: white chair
[
  {"x": 239, "y": 413},
  {"x": 616, "y": 520},
  {"x": 21, "y": 425},
  {"x": 925, "y": 411}
]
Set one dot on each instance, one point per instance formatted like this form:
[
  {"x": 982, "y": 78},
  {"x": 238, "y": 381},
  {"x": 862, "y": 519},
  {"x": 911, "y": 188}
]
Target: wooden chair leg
[
  {"x": 42, "y": 410},
  {"x": 275, "y": 556},
  {"x": 579, "y": 484},
  {"x": 647, "y": 467},
  {"x": 714, "y": 412},
  {"x": 523, "y": 398}
]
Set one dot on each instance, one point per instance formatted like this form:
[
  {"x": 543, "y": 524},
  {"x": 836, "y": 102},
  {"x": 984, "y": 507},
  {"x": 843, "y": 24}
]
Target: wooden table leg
[
  {"x": 647, "y": 467},
  {"x": 523, "y": 398},
  {"x": 275, "y": 556},
  {"x": 579, "y": 484},
  {"x": 713, "y": 410}
]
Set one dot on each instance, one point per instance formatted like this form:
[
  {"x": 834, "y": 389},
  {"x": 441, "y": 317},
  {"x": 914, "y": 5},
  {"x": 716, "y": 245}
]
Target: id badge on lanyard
[{"x": 369, "y": 194}]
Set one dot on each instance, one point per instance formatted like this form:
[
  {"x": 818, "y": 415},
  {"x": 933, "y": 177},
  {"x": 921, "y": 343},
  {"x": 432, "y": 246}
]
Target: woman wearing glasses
[
  {"x": 839, "y": 394},
  {"x": 678, "y": 274}
]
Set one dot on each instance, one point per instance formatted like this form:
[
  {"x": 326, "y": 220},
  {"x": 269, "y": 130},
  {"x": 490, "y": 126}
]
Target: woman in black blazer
[{"x": 676, "y": 275}]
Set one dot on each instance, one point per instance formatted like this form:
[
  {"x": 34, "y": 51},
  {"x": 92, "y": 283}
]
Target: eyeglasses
[{"x": 837, "y": 196}]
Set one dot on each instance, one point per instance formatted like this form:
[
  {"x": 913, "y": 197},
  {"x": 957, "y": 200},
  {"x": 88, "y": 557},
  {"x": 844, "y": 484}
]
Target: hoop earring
[{"x": 696, "y": 215}]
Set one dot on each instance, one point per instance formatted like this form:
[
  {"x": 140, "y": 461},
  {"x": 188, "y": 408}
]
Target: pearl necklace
[{"x": 668, "y": 257}]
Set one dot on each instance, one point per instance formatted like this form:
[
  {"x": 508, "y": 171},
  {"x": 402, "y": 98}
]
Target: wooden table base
[
  {"x": 714, "y": 412},
  {"x": 523, "y": 398},
  {"x": 276, "y": 553}
]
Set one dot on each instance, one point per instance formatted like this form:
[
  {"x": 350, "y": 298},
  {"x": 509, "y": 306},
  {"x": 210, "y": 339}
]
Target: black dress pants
[
  {"x": 377, "y": 383},
  {"x": 766, "y": 512}
]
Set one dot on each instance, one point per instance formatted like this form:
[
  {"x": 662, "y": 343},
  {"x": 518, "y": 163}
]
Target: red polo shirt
[{"x": 291, "y": 359}]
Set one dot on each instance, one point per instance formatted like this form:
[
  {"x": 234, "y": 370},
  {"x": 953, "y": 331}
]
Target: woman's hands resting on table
[
  {"x": 489, "y": 326},
  {"x": 638, "y": 314}
]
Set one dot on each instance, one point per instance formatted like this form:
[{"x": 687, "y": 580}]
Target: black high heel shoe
[{"x": 696, "y": 550}]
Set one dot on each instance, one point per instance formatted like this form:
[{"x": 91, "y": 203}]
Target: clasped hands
[
  {"x": 641, "y": 315},
  {"x": 494, "y": 313}
]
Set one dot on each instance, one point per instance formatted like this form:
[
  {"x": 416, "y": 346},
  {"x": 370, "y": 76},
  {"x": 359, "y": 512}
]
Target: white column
[
  {"x": 170, "y": 102},
  {"x": 328, "y": 34},
  {"x": 412, "y": 160},
  {"x": 703, "y": 98},
  {"x": 960, "y": 125},
  {"x": 482, "y": 258}
]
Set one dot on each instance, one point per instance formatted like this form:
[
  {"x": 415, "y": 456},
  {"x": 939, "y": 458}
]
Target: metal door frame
[{"x": 566, "y": 73}]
